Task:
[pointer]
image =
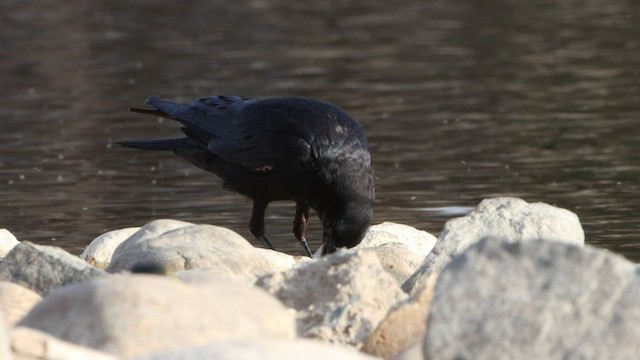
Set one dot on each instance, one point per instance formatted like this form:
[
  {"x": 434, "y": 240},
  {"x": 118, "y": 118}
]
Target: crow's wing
[
  {"x": 258, "y": 135},
  {"x": 206, "y": 114},
  {"x": 267, "y": 134},
  {"x": 299, "y": 133}
]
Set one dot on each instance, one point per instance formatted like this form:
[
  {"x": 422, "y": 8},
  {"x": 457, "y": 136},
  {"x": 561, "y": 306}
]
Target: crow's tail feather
[
  {"x": 160, "y": 144},
  {"x": 164, "y": 108},
  {"x": 167, "y": 107},
  {"x": 149, "y": 111}
]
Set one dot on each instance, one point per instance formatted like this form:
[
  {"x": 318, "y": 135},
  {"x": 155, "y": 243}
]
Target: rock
[
  {"x": 16, "y": 301},
  {"x": 134, "y": 315},
  {"x": 398, "y": 259},
  {"x": 418, "y": 241},
  {"x": 30, "y": 344},
  {"x": 100, "y": 250},
  {"x": 156, "y": 228},
  {"x": 264, "y": 350},
  {"x": 7, "y": 242},
  {"x": 510, "y": 219},
  {"x": 44, "y": 268},
  {"x": 400, "y": 248},
  {"x": 190, "y": 247},
  {"x": 4, "y": 340},
  {"x": 412, "y": 353},
  {"x": 149, "y": 231},
  {"x": 214, "y": 273},
  {"x": 276, "y": 261},
  {"x": 339, "y": 298},
  {"x": 403, "y": 327},
  {"x": 535, "y": 300},
  {"x": 279, "y": 261}
]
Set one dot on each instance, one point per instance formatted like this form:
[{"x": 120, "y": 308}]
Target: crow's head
[{"x": 345, "y": 225}]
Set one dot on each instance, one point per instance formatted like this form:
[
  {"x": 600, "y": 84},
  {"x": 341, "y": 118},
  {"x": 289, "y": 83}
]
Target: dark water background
[{"x": 461, "y": 100}]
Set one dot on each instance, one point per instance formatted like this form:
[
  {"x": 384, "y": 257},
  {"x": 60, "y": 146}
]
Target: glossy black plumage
[{"x": 294, "y": 148}]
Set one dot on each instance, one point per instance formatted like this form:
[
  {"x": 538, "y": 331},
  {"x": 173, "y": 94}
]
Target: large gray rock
[
  {"x": 16, "y": 301},
  {"x": 7, "y": 242},
  {"x": 510, "y": 219},
  {"x": 189, "y": 247},
  {"x": 135, "y": 315},
  {"x": 535, "y": 300},
  {"x": 339, "y": 298},
  {"x": 30, "y": 344},
  {"x": 44, "y": 268},
  {"x": 264, "y": 350},
  {"x": 99, "y": 252}
]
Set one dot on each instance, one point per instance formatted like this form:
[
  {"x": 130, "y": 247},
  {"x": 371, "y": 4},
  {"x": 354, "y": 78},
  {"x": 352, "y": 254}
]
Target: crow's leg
[
  {"x": 256, "y": 224},
  {"x": 300, "y": 225}
]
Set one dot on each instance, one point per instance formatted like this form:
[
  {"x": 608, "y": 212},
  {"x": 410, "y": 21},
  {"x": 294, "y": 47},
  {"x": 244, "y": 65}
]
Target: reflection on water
[{"x": 461, "y": 101}]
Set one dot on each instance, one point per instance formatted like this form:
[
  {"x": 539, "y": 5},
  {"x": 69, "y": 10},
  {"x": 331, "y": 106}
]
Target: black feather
[{"x": 158, "y": 144}]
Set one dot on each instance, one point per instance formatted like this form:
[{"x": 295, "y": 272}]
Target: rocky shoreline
[{"x": 510, "y": 280}]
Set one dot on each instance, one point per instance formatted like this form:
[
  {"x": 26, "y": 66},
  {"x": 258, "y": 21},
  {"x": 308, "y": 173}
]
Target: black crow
[{"x": 289, "y": 148}]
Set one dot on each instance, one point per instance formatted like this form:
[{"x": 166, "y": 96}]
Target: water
[{"x": 461, "y": 100}]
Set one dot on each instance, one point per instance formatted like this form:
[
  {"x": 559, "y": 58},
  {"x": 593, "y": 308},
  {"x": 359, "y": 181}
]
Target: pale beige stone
[
  {"x": 403, "y": 327},
  {"x": 418, "y": 241},
  {"x": 398, "y": 259},
  {"x": 4, "y": 340},
  {"x": 134, "y": 315},
  {"x": 7, "y": 242},
  {"x": 191, "y": 247},
  {"x": 16, "y": 301},
  {"x": 273, "y": 349},
  {"x": 99, "y": 252},
  {"x": 31, "y": 344}
]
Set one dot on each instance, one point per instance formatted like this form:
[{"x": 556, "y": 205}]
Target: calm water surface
[{"x": 461, "y": 100}]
